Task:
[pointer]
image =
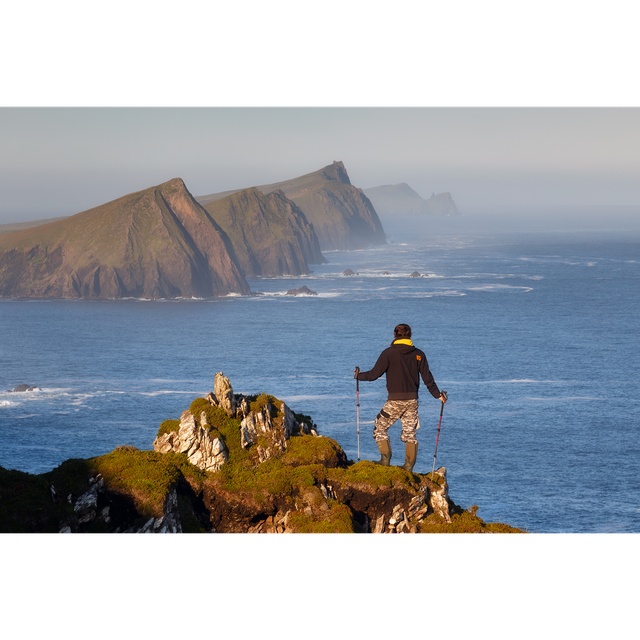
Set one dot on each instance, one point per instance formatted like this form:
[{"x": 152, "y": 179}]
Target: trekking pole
[
  {"x": 444, "y": 393},
  {"x": 358, "y": 413}
]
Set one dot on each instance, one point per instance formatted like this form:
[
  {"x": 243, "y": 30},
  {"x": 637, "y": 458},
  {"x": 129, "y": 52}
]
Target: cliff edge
[{"x": 233, "y": 463}]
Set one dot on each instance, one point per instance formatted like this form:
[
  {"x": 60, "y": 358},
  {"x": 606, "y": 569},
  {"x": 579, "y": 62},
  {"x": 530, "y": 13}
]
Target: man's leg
[
  {"x": 391, "y": 411},
  {"x": 410, "y": 424}
]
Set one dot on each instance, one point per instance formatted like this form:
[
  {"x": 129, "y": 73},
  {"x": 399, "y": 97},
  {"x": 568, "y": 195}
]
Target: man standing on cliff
[{"x": 404, "y": 365}]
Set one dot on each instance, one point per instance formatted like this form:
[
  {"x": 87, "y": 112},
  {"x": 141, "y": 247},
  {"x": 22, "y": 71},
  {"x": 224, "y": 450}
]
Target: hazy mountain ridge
[{"x": 401, "y": 199}]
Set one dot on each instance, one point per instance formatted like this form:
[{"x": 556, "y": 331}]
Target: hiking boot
[
  {"x": 385, "y": 453},
  {"x": 411, "y": 453}
]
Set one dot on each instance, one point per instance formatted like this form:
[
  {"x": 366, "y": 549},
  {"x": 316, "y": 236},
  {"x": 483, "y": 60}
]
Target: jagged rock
[
  {"x": 87, "y": 511},
  {"x": 204, "y": 451},
  {"x": 86, "y": 505},
  {"x": 224, "y": 394},
  {"x": 276, "y": 430},
  {"x": 22, "y": 388},
  {"x": 242, "y": 407},
  {"x": 440, "y": 497},
  {"x": 169, "y": 522},
  {"x": 415, "y": 274},
  {"x": 302, "y": 291},
  {"x": 348, "y": 272}
]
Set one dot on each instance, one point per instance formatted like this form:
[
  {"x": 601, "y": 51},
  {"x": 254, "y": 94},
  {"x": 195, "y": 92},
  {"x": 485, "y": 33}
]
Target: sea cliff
[
  {"x": 155, "y": 243},
  {"x": 233, "y": 463},
  {"x": 269, "y": 233},
  {"x": 162, "y": 242},
  {"x": 341, "y": 214}
]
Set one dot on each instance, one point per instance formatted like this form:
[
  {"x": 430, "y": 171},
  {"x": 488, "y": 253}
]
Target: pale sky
[{"x": 60, "y": 161}]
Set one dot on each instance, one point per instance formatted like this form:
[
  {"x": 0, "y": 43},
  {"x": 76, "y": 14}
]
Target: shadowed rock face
[
  {"x": 341, "y": 215},
  {"x": 269, "y": 233},
  {"x": 156, "y": 243}
]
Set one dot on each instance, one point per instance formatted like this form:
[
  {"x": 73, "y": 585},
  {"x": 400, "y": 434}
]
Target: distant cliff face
[
  {"x": 156, "y": 243},
  {"x": 269, "y": 233},
  {"x": 401, "y": 199},
  {"x": 342, "y": 216}
]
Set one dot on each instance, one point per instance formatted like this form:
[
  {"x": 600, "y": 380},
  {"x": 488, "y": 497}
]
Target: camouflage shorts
[{"x": 404, "y": 410}]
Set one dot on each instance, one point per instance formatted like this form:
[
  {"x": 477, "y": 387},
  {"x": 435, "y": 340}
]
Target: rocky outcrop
[
  {"x": 156, "y": 243},
  {"x": 274, "y": 429},
  {"x": 267, "y": 427},
  {"x": 204, "y": 450},
  {"x": 302, "y": 291},
  {"x": 223, "y": 394},
  {"x": 401, "y": 199},
  {"x": 22, "y": 388},
  {"x": 270, "y": 234}
]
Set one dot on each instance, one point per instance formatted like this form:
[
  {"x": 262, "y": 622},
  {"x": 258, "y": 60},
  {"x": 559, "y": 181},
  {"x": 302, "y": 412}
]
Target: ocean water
[{"x": 531, "y": 327}]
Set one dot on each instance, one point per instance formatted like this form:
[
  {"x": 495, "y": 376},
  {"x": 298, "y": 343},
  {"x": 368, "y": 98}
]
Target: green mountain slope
[{"x": 155, "y": 243}]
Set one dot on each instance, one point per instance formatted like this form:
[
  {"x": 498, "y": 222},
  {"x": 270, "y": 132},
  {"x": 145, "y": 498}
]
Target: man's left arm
[{"x": 427, "y": 378}]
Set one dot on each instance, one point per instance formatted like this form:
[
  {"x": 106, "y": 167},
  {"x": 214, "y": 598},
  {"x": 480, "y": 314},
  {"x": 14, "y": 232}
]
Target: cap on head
[{"x": 402, "y": 331}]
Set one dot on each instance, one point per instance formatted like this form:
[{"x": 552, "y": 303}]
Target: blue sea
[{"x": 530, "y": 324}]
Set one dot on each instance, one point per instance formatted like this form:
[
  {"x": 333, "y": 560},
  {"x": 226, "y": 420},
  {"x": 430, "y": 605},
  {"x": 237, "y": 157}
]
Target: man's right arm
[{"x": 379, "y": 368}]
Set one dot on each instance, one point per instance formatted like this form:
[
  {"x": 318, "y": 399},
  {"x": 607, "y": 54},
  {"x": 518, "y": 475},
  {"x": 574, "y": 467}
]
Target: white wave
[
  {"x": 284, "y": 294},
  {"x": 6, "y": 403},
  {"x": 153, "y": 394},
  {"x": 514, "y": 381},
  {"x": 500, "y": 287},
  {"x": 565, "y": 399},
  {"x": 310, "y": 397}
]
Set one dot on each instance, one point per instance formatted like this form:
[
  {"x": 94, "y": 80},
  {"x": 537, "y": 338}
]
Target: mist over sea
[{"x": 530, "y": 325}]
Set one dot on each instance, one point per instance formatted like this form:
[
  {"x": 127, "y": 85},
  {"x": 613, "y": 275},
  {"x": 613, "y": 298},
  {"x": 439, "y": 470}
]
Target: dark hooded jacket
[{"x": 404, "y": 365}]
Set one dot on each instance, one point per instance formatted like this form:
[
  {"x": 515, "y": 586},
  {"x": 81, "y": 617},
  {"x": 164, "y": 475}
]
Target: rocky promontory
[
  {"x": 155, "y": 243},
  {"x": 233, "y": 463}
]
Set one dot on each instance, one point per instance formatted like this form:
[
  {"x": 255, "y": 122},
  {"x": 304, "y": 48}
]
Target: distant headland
[
  {"x": 164, "y": 243},
  {"x": 401, "y": 199}
]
